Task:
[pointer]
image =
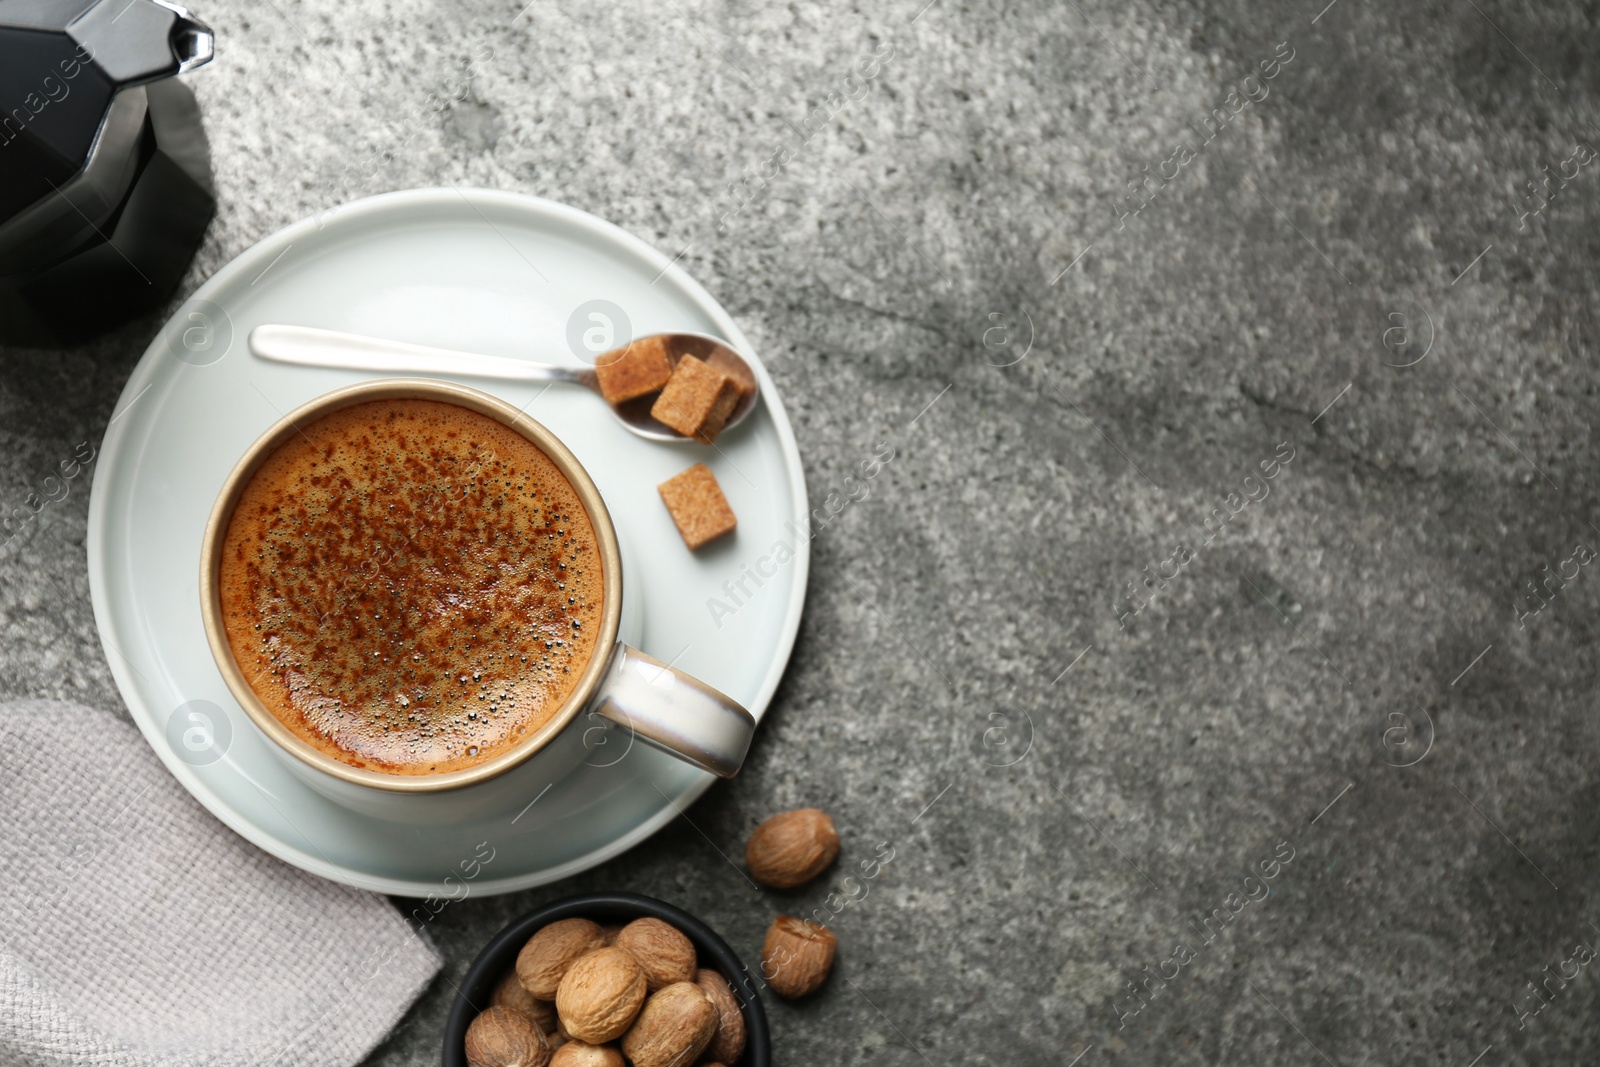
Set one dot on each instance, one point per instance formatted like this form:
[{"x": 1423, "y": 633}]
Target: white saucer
[{"x": 483, "y": 271}]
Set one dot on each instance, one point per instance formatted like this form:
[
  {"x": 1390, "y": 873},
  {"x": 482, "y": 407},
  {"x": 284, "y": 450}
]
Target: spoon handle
[{"x": 311, "y": 347}]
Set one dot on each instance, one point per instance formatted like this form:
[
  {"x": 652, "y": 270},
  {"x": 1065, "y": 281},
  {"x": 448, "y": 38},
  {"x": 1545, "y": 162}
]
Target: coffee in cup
[
  {"x": 410, "y": 586},
  {"x": 414, "y": 589}
]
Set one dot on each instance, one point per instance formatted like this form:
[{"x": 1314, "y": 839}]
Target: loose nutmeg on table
[
  {"x": 792, "y": 848},
  {"x": 797, "y": 956}
]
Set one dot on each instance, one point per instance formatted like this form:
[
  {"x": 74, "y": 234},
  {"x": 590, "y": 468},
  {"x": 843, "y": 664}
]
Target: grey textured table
[{"x": 1081, "y": 379}]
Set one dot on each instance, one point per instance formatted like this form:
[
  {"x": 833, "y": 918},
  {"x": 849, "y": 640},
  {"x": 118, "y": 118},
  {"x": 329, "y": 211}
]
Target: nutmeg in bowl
[{"x": 672, "y": 974}]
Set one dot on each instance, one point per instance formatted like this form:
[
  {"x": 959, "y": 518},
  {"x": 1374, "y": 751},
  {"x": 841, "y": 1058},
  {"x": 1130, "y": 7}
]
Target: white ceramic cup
[{"x": 620, "y": 685}]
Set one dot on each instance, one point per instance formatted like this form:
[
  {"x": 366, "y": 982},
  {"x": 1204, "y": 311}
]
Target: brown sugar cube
[
  {"x": 697, "y": 401},
  {"x": 695, "y": 501},
  {"x": 638, "y": 369}
]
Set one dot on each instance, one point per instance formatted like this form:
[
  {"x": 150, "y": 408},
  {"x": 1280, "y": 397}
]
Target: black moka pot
[{"x": 105, "y": 175}]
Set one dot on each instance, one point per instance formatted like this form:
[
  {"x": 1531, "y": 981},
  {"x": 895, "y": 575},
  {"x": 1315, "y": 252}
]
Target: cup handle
[{"x": 679, "y": 714}]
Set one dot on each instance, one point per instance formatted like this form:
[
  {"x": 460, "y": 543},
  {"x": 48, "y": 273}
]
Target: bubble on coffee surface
[{"x": 411, "y": 586}]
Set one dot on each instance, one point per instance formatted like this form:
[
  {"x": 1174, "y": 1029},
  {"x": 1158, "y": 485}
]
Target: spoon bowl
[{"x": 308, "y": 346}]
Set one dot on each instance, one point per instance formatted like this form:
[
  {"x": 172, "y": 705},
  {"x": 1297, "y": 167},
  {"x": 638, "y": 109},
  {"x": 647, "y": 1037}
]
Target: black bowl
[{"x": 500, "y": 954}]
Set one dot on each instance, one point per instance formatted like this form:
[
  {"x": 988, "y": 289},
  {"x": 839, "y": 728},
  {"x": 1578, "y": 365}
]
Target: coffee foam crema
[{"x": 410, "y": 586}]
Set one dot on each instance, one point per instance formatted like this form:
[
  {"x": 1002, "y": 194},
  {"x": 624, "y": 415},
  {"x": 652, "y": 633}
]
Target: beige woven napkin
[{"x": 137, "y": 929}]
